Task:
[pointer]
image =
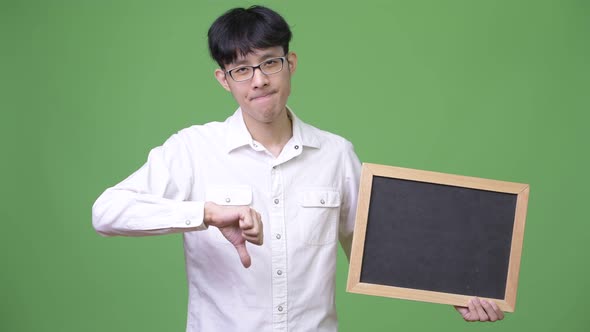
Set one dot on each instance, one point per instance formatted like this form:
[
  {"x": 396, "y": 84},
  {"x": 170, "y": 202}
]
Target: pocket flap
[
  {"x": 229, "y": 195},
  {"x": 320, "y": 198}
]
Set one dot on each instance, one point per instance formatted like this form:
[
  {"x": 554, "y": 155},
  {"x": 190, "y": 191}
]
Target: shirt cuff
[{"x": 188, "y": 214}]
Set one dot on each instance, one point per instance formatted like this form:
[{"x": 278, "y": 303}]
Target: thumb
[{"x": 244, "y": 255}]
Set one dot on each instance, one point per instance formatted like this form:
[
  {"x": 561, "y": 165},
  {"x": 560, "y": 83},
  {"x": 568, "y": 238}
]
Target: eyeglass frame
[{"x": 258, "y": 66}]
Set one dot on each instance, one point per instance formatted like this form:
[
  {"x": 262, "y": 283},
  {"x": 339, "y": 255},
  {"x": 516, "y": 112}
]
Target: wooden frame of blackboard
[{"x": 369, "y": 171}]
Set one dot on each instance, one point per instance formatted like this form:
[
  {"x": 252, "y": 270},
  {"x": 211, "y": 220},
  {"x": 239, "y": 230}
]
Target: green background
[{"x": 494, "y": 89}]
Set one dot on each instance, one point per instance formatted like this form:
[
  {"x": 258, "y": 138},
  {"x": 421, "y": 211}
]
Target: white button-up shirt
[{"x": 306, "y": 197}]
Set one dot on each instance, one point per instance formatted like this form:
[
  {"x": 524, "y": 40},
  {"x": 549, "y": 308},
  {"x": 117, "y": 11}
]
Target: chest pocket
[
  {"x": 227, "y": 196},
  {"x": 320, "y": 212}
]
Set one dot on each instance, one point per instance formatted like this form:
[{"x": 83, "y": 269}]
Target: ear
[
  {"x": 292, "y": 60},
  {"x": 221, "y": 78}
]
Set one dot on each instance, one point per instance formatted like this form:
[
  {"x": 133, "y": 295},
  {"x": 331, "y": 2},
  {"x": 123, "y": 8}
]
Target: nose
[{"x": 259, "y": 79}]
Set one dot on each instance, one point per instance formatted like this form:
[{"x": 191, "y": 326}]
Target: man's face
[{"x": 264, "y": 96}]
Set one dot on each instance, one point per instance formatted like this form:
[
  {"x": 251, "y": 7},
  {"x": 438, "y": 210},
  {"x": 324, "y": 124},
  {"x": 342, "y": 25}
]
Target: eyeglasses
[{"x": 267, "y": 67}]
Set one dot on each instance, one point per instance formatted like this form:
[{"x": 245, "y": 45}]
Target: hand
[
  {"x": 238, "y": 224},
  {"x": 480, "y": 310}
]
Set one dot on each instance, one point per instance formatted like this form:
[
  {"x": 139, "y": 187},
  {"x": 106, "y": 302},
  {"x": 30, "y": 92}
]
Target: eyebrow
[{"x": 263, "y": 56}]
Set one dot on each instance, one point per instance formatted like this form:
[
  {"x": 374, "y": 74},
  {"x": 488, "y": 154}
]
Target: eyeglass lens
[{"x": 268, "y": 67}]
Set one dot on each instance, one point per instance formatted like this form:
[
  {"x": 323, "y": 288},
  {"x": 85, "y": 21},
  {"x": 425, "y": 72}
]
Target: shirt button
[
  {"x": 255, "y": 145},
  {"x": 279, "y": 272},
  {"x": 276, "y": 201},
  {"x": 322, "y": 201},
  {"x": 278, "y": 236},
  {"x": 188, "y": 222},
  {"x": 227, "y": 200},
  {"x": 280, "y": 308},
  {"x": 296, "y": 147}
]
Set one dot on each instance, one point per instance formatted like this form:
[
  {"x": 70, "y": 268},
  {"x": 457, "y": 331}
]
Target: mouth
[{"x": 263, "y": 96}]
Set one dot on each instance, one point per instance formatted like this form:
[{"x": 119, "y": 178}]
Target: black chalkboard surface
[{"x": 437, "y": 237}]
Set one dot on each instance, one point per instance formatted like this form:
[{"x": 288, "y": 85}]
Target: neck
[{"x": 272, "y": 135}]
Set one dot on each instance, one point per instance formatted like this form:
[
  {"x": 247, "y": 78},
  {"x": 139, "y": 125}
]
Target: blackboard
[{"x": 437, "y": 237}]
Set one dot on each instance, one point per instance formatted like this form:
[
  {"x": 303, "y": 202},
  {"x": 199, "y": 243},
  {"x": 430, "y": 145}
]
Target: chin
[
  {"x": 266, "y": 115},
  {"x": 269, "y": 116}
]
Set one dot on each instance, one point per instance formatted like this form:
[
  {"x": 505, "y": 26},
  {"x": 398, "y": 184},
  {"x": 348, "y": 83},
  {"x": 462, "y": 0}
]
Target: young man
[{"x": 262, "y": 188}]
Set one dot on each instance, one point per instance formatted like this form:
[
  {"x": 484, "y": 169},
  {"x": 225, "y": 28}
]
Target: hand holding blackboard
[
  {"x": 481, "y": 310},
  {"x": 437, "y": 237}
]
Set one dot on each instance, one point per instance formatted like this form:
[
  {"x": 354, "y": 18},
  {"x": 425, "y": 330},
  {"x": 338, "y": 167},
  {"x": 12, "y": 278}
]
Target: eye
[
  {"x": 271, "y": 62},
  {"x": 241, "y": 70}
]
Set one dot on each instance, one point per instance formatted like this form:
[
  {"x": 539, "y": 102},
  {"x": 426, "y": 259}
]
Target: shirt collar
[{"x": 238, "y": 134}]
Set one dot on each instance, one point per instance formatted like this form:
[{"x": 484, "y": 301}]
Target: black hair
[{"x": 239, "y": 31}]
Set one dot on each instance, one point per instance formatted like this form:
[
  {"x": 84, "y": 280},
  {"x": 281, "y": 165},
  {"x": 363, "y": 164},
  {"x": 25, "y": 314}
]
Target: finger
[
  {"x": 472, "y": 314},
  {"x": 489, "y": 310},
  {"x": 498, "y": 311},
  {"x": 255, "y": 221},
  {"x": 246, "y": 221},
  {"x": 254, "y": 239},
  {"x": 464, "y": 311},
  {"x": 258, "y": 227},
  {"x": 480, "y": 311},
  {"x": 252, "y": 232},
  {"x": 244, "y": 255}
]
